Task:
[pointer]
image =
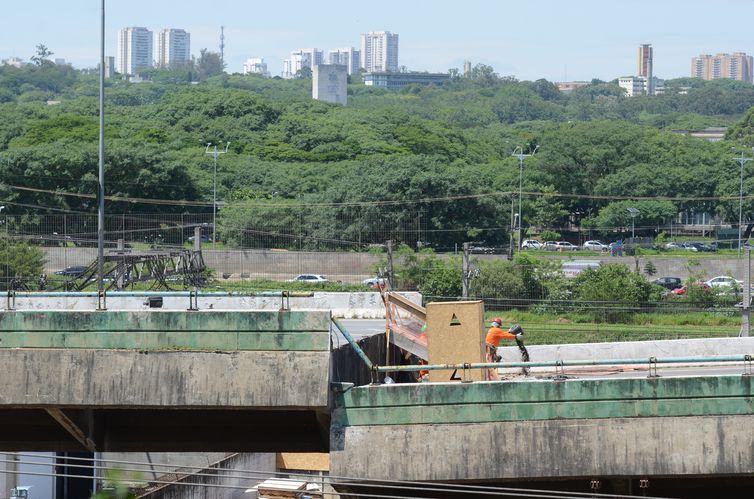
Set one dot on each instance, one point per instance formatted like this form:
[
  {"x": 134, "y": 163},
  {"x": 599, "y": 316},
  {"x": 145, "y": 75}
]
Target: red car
[{"x": 682, "y": 289}]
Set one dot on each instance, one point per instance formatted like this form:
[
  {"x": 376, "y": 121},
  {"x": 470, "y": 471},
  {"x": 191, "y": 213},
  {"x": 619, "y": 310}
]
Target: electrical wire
[
  {"x": 491, "y": 194},
  {"x": 330, "y": 479}
]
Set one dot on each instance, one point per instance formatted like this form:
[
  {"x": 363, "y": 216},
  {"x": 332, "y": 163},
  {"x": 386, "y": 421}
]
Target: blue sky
[{"x": 554, "y": 39}]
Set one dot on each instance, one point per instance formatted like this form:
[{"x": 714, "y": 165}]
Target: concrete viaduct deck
[{"x": 263, "y": 381}]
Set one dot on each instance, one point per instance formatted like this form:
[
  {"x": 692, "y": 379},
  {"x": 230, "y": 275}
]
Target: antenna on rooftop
[{"x": 222, "y": 44}]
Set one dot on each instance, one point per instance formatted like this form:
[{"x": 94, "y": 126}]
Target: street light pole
[
  {"x": 742, "y": 161},
  {"x": 215, "y": 154},
  {"x": 634, "y": 213},
  {"x": 101, "y": 170},
  {"x": 518, "y": 152}
]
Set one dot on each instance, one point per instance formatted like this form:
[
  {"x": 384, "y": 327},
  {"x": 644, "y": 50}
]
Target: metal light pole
[
  {"x": 215, "y": 154},
  {"x": 101, "y": 177},
  {"x": 519, "y": 153},
  {"x": 742, "y": 161},
  {"x": 634, "y": 213}
]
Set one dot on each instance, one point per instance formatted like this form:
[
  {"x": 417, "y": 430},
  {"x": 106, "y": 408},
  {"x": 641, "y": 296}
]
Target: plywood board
[
  {"x": 455, "y": 334},
  {"x": 303, "y": 461}
]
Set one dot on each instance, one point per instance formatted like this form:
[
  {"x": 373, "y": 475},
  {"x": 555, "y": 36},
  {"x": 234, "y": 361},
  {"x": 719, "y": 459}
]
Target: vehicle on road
[
  {"x": 724, "y": 281},
  {"x": 374, "y": 282},
  {"x": 595, "y": 245},
  {"x": 670, "y": 283},
  {"x": 566, "y": 246},
  {"x": 203, "y": 238},
  {"x": 531, "y": 244},
  {"x": 309, "y": 278},
  {"x": 72, "y": 271},
  {"x": 683, "y": 289}
]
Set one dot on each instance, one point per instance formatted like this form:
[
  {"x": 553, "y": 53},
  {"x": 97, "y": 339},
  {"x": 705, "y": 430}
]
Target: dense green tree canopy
[{"x": 437, "y": 159}]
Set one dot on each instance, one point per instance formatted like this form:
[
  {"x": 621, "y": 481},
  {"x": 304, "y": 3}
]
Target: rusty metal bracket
[
  {"x": 375, "y": 374},
  {"x": 285, "y": 301},
  {"x": 466, "y": 377},
  {"x": 560, "y": 374},
  {"x": 644, "y": 485},
  {"x": 653, "y": 368},
  {"x": 102, "y": 300},
  {"x": 10, "y": 303},
  {"x": 193, "y": 300},
  {"x": 748, "y": 367}
]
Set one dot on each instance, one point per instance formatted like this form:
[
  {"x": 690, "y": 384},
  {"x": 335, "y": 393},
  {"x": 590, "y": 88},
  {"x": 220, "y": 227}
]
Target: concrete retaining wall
[
  {"x": 633, "y": 349},
  {"x": 646, "y": 447},
  {"x": 367, "y": 305}
]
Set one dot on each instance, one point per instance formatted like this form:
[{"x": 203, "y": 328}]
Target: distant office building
[
  {"x": 633, "y": 85},
  {"x": 255, "y": 66},
  {"x": 135, "y": 48},
  {"x": 396, "y": 81},
  {"x": 379, "y": 51},
  {"x": 173, "y": 48},
  {"x": 300, "y": 59},
  {"x": 349, "y": 57},
  {"x": 736, "y": 66},
  {"x": 109, "y": 66},
  {"x": 644, "y": 66},
  {"x": 60, "y": 62},
  {"x": 330, "y": 83},
  {"x": 14, "y": 61}
]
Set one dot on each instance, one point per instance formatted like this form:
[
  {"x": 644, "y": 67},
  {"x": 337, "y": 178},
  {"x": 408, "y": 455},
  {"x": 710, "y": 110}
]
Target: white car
[
  {"x": 595, "y": 245},
  {"x": 565, "y": 246},
  {"x": 723, "y": 280},
  {"x": 531, "y": 244},
  {"x": 374, "y": 282},
  {"x": 309, "y": 278}
]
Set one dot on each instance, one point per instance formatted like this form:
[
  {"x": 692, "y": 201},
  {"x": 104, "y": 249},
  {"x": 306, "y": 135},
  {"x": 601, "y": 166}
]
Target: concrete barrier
[
  {"x": 367, "y": 305},
  {"x": 633, "y": 350}
]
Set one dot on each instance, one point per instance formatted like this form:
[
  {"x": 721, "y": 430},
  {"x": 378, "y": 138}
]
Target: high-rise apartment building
[
  {"x": 300, "y": 59},
  {"x": 345, "y": 57},
  {"x": 173, "y": 47},
  {"x": 644, "y": 66},
  {"x": 735, "y": 66},
  {"x": 379, "y": 51},
  {"x": 135, "y": 47},
  {"x": 255, "y": 66}
]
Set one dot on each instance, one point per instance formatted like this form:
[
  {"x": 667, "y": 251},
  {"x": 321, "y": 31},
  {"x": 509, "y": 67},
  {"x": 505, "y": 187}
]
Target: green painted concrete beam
[
  {"x": 541, "y": 400},
  {"x": 167, "y": 330},
  {"x": 167, "y": 320}
]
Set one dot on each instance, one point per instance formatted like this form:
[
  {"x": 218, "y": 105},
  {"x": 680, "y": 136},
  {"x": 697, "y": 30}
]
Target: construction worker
[{"x": 495, "y": 334}]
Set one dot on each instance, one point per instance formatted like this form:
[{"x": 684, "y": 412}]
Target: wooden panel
[
  {"x": 303, "y": 461},
  {"x": 455, "y": 334}
]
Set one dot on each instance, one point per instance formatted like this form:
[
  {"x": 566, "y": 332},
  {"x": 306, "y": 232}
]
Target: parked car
[
  {"x": 374, "y": 282},
  {"x": 704, "y": 247},
  {"x": 566, "y": 246},
  {"x": 482, "y": 250},
  {"x": 73, "y": 271},
  {"x": 595, "y": 245},
  {"x": 550, "y": 246},
  {"x": 309, "y": 278},
  {"x": 673, "y": 246},
  {"x": 682, "y": 290},
  {"x": 723, "y": 281},
  {"x": 670, "y": 283},
  {"x": 531, "y": 244},
  {"x": 203, "y": 238}
]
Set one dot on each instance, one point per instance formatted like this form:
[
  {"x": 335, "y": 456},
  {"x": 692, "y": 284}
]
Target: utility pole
[
  {"x": 518, "y": 152},
  {"x": 222, "y": 44},
  {"x": 215, "y": 154},
  {"x": 101, "y": 304},
  {"x": 634, "y": 213},
  {"x": 466, "y": 270},
  {"x": 745, "y": 323},
  {"x": 742, "y": 161},
  {"x": 389, "y": 271}
]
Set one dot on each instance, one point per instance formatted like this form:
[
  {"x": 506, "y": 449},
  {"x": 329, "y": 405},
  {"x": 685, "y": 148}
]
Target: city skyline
[{"x": 544, "y": 39}]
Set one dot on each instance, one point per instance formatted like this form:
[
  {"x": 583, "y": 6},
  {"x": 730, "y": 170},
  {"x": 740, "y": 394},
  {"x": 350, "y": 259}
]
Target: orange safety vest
[{"x": 495, "y": 335}]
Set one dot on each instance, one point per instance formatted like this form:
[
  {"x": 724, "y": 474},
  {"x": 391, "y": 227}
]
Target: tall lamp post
[
  {"x": 101, "y": 170},
  {"x": 742, "y": 161},
  {"x": 215, "y": 154},
  {"x": 518, "y": 152},
  {"x": 634, "y": 213}
]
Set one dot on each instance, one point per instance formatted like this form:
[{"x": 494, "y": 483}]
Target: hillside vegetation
[{"x": 455, "y": 141}]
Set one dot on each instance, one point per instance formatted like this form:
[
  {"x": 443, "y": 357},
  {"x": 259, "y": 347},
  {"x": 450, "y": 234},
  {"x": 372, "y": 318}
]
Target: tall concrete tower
[{"x": 644, "y": 66}]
